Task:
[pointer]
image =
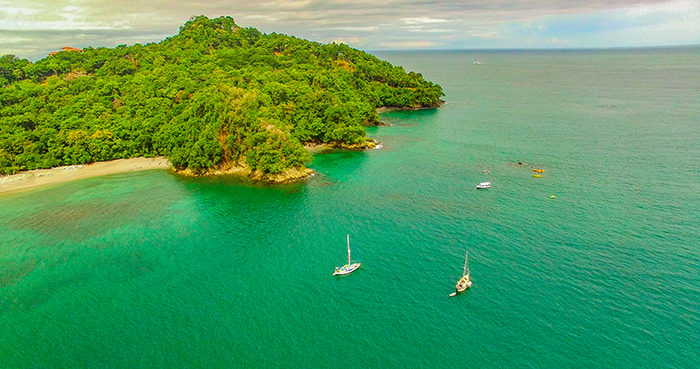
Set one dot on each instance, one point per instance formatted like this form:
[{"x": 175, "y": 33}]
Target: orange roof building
[{"x": 66, "y": 48}]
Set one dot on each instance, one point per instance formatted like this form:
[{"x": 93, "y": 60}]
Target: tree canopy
[{"x": 215, "y": 93}]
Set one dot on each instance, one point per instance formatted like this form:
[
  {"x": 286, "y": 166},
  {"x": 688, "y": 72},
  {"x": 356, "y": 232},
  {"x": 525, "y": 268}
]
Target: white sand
[{"x": 44, "y": 177}]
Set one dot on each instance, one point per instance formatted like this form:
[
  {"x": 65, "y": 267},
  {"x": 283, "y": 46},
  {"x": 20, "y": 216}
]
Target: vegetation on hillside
[{"x": 214, "y": 94}]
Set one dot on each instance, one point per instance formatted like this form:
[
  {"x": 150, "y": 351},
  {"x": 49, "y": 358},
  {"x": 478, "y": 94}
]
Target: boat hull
[
  {"x": 347, "y": 269},
  {"x": 463, "y": 284}
]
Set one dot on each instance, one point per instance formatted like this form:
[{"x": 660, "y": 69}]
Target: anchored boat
[
  {"x": 464, "y": 282},
  {"x": 350, "y": 266}
]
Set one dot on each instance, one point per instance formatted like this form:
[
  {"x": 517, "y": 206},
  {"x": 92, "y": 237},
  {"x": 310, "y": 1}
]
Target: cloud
[
  {"x": 71, "y": 12},
  {"x": 359, "y": 29},
  {"x": 13, "y": 40},
  {"x": 261, "y": 16},
  {"x": 60, "y": 25},
  {"x": 485, "y": 34},
  {"x": 424, "y": 20},
  {"x": 349, "y": 40},
  {"x": 439, "y": 30},
  {"x": 15, "y": 11},
  {"x": 555, "y": 40},
  {"x": 408, "y": 44},
  {"x": 387, "y": 24}
]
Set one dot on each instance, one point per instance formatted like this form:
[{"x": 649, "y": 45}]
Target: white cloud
[
  {"x": 670, "y": 7},
  {"x": 485, "y": 34},
  {"x": 555, "y": 40},
  {"x": 70, "y": 13},
  {"x": 62, "y": 25},
  {"x": 286, "y": 4},
  {"x": 349, "y": 41},
  {"x": 15, "y": 11},
  {"x": 57, "y": 18},
  {"x": 358, "y": 29},
  {"x": 260, "y": 16},
  {"x": 408, "y": 44},
  {"x": 424, "y": 20},
  {"x": 6, "y": 40}
]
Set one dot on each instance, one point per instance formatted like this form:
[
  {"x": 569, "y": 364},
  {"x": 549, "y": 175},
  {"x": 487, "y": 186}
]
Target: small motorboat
[{"x": 483, "y": 185}]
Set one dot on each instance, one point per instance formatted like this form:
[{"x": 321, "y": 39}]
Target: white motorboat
[{"x": 483, "y": 185}]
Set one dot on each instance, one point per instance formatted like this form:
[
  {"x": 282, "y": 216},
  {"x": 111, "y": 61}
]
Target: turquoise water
[{"x": 151, "y": 270}]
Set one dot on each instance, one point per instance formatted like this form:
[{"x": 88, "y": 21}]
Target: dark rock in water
[
  {"x": 438, "y": 104},
  {"x": 378, "y": 123}
]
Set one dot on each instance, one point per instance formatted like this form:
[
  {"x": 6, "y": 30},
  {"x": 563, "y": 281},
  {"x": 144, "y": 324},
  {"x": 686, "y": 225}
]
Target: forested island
[{"x": 214, "y": 96}]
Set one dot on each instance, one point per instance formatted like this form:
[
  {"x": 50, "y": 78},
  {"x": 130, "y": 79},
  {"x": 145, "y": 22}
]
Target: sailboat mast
[
  {"x": 348, "y": 249},
  {"x": 466, "y": 260}
]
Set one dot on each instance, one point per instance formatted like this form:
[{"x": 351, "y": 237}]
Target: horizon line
[
  {"x": 578, "y": 48},
  {"x": 494, "y": 49}
]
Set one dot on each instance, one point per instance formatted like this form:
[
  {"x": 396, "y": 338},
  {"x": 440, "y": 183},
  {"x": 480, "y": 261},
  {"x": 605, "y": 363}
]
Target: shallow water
[{"x": 152, "y": 270}]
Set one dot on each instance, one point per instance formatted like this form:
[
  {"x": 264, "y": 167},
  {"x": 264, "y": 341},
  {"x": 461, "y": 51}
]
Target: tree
[{"x": 214, "y": 93}]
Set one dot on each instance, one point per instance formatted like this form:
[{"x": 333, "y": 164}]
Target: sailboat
[
  {"x": 349, "y": 267},
  {"x": 464, "y": 282}
]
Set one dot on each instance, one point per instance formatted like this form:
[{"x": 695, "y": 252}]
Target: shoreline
[
  {"x": 45, "y": 177},
  {"x": 313, "y": 147},
  {"x": 385, "y": 109},
  {"x": 237, "y": 169}
]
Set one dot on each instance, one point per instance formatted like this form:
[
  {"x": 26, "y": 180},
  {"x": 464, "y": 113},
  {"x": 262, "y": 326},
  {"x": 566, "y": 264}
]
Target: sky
[{"x": 31, "y": 29}]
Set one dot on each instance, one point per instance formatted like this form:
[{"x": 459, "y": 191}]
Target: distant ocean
[{"x": 146, "y": 269}]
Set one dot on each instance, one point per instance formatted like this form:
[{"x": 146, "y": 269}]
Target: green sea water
[{"x": 148, "y": 269}]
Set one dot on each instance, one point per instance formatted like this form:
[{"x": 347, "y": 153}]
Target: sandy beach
[{"x": 45, "y": 177}]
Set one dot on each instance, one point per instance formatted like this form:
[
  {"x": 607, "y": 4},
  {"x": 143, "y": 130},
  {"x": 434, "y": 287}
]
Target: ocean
[{"x": 148, "y": 269}]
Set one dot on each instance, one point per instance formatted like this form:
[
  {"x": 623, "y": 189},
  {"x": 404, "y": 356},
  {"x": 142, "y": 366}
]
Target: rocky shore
[
  {"x": 240, "y": 168},
  {"x": 315, "y": 147},
  {"x": 385, "y": 109}
]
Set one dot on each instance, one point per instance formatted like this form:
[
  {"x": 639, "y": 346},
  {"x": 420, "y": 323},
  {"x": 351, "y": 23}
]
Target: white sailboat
[
  {"x": 464, "y": 282},
  {"x": 350, "y": 266}
]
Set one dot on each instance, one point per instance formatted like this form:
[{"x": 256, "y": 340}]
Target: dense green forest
[{"x": 214, "y": 94}]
